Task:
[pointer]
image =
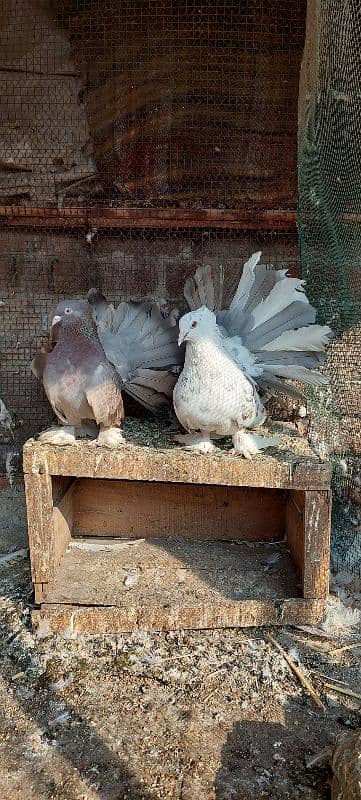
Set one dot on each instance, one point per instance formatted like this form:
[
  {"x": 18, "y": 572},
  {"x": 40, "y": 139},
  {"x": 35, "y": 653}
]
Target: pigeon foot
[
  {"x": 249, "y": 445},
  {"x": 110, "y": 437},
  {"x": 60, "y": 436},
  {"x": 198, "y": 442}
]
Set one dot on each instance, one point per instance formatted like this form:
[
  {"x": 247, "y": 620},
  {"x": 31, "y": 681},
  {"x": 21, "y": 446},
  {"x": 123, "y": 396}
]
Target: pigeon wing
[{"x": 103, "y": 393}]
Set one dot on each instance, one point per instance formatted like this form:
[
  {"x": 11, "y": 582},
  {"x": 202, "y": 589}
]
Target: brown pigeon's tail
[
  {"x": 152, "y": 388},
  {"x": 141, "y": 341},
  {"x": 205, "y": 288}
]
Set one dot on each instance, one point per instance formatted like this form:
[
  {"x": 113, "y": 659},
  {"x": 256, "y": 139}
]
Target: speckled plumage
[
  {"x": 265, "y": 337},
  {"x": 213, "y": 397},
  {"x": 212, "y": 394}
]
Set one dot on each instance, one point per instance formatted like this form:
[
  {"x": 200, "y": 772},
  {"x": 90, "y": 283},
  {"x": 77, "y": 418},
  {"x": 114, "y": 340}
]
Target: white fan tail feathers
[
  {"x": 313, "y": 339},
  {"x": 205, "y": 288},
  {"x": 296, "y": 373},
  {"x": 246, "y": 282},
  {"x": 280, "y": 297}
]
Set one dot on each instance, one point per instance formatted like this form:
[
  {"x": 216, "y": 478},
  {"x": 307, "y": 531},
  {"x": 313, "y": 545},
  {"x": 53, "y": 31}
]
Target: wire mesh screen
[
  {"x": 137, "y": 141},
  {"x": 330, "y": 236}
]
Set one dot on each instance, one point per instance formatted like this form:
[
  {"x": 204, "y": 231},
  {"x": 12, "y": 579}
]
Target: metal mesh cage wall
[
  {"x": 137, "y": 140},
  {"x": 330, "y": 239}
]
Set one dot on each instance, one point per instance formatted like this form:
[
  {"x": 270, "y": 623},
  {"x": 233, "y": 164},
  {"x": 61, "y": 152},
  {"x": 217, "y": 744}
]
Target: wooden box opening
[
  {"x": 151, "y": 536},
  {"x": 167, "y": 543}
]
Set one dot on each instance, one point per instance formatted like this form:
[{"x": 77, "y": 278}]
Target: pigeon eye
[
  {"x": 67, "y": 310},
  {"x": 194, "y": 324}
]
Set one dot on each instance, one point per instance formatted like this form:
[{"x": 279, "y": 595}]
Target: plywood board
[
  {"x": 137, "y": 508},
  {"x": 168, "y": 573}
]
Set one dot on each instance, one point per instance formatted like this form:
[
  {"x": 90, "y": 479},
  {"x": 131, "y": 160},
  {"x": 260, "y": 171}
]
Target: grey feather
[
  {"x": 151, "y": 399},
  {"x": 138, "y": 339},
  {"x": 307, "y": 359},
  {"x": 271, "y": 383},
  {"x": 295, "y": 315},
  {"x": 205, "y": 288}
]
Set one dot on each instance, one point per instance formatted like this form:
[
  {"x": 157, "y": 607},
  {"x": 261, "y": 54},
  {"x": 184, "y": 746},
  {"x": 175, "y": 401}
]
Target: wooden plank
[
  {"x": 321, "y": 477},
  {"x": 149, "y": 454},
  {"x": 294, "y": 519},
  {"x": 63, "y": 522},
  {"x": 60, "y": 485},
  {"x": 161, "y": 572},
  {"x": 308, "y": 524},
  {"x": 39, "y": 504},
  {"x": 123, "y": 218},
  {"x": 39, "y": 592},
  {"x": 317, "y": 544},
  {"x": 94, "y": 621},
  {"x": 137, "y": 508}
]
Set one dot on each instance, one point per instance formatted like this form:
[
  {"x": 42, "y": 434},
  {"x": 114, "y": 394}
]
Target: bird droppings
[{"x": 206, "y": 715}]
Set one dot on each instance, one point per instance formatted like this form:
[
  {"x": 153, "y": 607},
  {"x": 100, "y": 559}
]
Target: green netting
[{"x": 330, "y": 245}]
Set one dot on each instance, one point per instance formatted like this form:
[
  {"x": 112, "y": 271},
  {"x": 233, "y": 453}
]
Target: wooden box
[{"x": 150, "y": 536}]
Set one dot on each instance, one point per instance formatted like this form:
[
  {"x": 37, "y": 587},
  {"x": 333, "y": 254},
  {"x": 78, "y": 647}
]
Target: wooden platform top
[{"x": 150, "y": 454}]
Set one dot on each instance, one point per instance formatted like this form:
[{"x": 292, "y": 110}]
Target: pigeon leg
[
  {"x": 110, "y": 437},
  {"x": 87, "y": 430},
  {"x": 249, "y": 445},
  {"x": 61, "y": 436},
  {"x": 199, "y": 442}
]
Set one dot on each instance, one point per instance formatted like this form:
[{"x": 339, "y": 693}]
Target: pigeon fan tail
[
  {"x": 274, "y": 320},
  {"x": 152, "y": 400},
  {"x": 313, "y": 338},
  {"x": 297, "y": 373},
  {"x": 140, "y": 339},
  {"x": 162, "y": 381},
  {"x": 205, "y": 288},
  {"x": 103, "y": 311}
]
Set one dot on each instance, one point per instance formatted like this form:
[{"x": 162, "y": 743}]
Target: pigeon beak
[
  {"x": 181, "y": 338},
  {"x": 55, "y": 320}
]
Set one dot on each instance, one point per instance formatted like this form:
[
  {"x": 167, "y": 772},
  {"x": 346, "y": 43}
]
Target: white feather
[
  {"x": 312, "y": 338},
  {"x": 297, "y": 373},
  {"x": 282, "y": 295},
  {"x": 245, "y": 360},
  {"x": 245, "y": 285}
]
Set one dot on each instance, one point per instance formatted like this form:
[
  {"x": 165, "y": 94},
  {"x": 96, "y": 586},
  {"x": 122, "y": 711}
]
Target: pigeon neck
[
  {"x": 79, "y": 327},
  {"x": 200, "y": 349}
]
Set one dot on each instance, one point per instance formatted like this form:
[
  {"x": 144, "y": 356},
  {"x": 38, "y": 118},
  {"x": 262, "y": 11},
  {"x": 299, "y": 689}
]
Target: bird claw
[
  {"x": 59, "y": 436},
  {"x": 249, "y": 445},
  {"x": 195, "y": 443},
  {"x": 110, "y": 437}
]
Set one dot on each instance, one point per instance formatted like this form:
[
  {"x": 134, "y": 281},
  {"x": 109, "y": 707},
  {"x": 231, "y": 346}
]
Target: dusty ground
[{"x": 195, "y": 716}]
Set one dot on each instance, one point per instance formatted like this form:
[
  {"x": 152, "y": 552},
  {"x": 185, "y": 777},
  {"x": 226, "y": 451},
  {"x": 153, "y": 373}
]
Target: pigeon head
[
  {"x": 72, "y": 315},
  {"x": 199, "y": 324}
]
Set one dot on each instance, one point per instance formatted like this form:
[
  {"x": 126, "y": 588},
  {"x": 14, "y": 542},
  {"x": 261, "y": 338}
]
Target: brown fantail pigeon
[{"x": 80, "y": 383}]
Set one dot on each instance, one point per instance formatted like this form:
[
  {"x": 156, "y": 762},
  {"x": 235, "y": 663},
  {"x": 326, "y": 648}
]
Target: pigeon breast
[{"x": 212, "y": 394}]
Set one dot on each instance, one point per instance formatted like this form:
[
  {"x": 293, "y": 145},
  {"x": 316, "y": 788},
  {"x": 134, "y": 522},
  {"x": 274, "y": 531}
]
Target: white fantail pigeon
[
  {"x": 140, "y": 340},
  {"x": 266, "y": 337},
  {"x": 80, "y": 383}
]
